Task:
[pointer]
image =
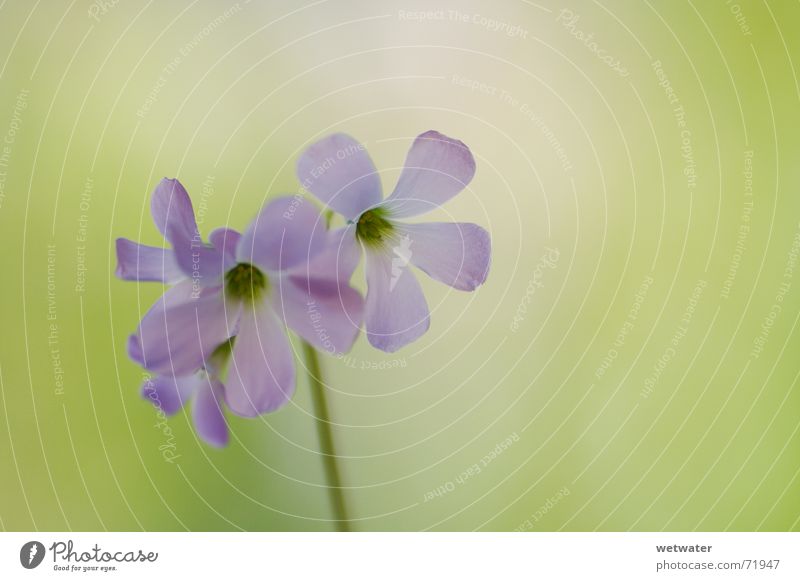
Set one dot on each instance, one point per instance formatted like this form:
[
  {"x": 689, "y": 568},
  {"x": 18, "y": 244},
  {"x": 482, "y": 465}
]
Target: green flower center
[
  {"x": 244, "y": 281},
  {"x": 373, "y": 227}
]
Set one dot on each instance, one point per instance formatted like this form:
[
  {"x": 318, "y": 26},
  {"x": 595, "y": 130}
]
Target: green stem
[{"x": 326, "y": 437}]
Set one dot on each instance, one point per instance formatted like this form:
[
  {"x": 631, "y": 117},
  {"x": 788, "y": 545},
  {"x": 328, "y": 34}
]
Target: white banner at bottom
[{"x": 370, "y": 556}]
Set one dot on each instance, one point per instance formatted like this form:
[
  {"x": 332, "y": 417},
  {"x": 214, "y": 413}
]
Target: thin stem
[{"x": 326, "y": 437}]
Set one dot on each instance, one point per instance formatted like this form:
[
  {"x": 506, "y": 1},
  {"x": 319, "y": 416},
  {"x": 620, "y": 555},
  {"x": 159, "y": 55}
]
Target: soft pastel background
[{"x": 576, "y": 160}]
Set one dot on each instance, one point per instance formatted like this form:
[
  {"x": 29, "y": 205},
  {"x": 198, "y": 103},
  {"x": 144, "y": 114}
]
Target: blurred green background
[{"x": 631, "y": 363}]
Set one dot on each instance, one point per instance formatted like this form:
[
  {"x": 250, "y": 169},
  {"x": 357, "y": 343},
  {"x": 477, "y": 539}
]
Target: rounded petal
[
  {"x": 455, "y": 254},
  {"x": 207, "y": 412},
  {"x": 325, "y": 312},
  {"x": 168, "y": 393},
  {"x": 288, "y": 231},
  {"x": 177, "y": 338},
  {"x": 396, "y": 312},
  {"x": 173, "y": 213},
  {"x": 261, "y": 374},
  {"x": 146, "y": 263},
  {"x": 226, "y": 240},
  {"x": 437, "y": 168},
  {"x": 338, "y": 170}
]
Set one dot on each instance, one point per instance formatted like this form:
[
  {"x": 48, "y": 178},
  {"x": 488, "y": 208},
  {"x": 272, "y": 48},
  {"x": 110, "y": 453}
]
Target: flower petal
[
  {"x": 168, "y": 393},
  {"x": 337, "y": 261},
  {"x": 180, "y": 293},
  {"x": 436, "y": 169},
  {"x": 455, "y": 254},
  {"x": 204, "y": 265},
  {"x": 177, "y": 338},
  {"x": 288, "y": 231},
  {"x": 146, "y": 263},
  {"x": 325, "y": 312},
  {"x": 134, "y": 348},
  {"x": 338, "y": 170},
  {"x": 396, "y": 312},
  {"x": 173, "y": 213},
  {"x": 261, "y": 373},
  {"x": 207, "y": 412},
  {"x": 226, "y": 240}
]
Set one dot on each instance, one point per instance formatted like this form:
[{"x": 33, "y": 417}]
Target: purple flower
[
  {"x": 204, "y": 389},
  {"x": 339, "y": 172},
  {"x": 248, "y": 286},
  {"x": 169, "y": 393}
]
